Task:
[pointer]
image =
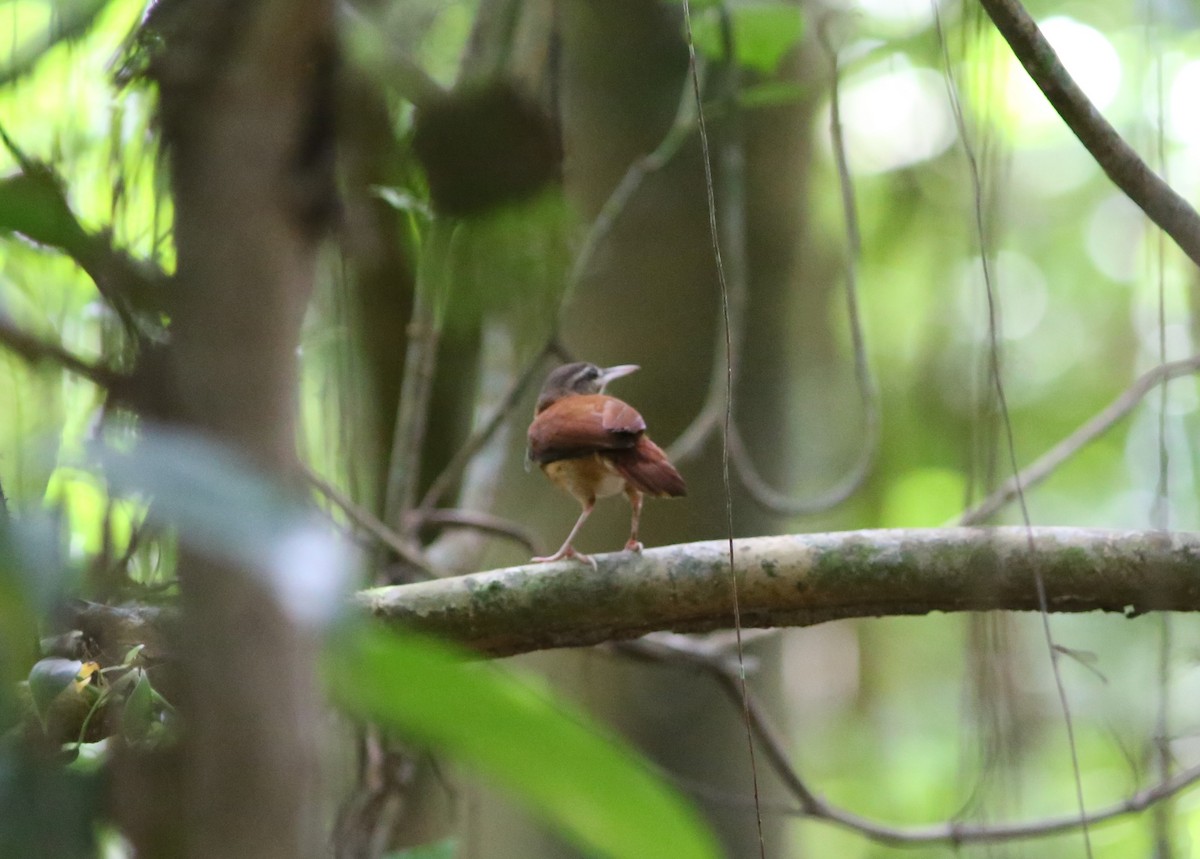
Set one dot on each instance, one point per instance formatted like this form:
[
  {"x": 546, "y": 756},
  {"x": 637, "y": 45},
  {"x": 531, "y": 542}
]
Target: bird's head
[{"x": 580, "y": 377}]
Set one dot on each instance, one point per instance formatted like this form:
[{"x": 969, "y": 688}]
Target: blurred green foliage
[
  {"x": 892, "y": 729},
  {"x": 47, "y": 809},
  {"x": 590, "y": 785},
  {"x": 762, "y": 33}
]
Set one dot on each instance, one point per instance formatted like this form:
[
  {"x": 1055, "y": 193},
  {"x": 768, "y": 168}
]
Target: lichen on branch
[{"x": 800, "y": 580}]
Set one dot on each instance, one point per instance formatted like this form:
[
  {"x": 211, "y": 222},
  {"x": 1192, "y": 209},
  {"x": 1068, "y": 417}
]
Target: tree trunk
[{"x": 246, "y": 117}]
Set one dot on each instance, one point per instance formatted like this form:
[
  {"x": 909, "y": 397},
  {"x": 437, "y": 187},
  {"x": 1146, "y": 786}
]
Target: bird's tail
[{"x": 647, "y": 468}]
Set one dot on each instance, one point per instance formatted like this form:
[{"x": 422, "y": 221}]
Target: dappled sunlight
[
  {"x": 1183, "y": 119},
  {"x": 1088, "y": 56},
  {"x": 1177, "y": 332},
  {"x": 892, "y": 18},
  {"x": 1021, "y": 296},
  {"x": 1046, "y": 169},
  {"x": 895, "y": 115},
  {"x": 1114, "y": 239}
]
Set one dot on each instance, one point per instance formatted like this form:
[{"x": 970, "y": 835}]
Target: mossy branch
[
  {"x": 800, "y": 580},
  {"x": 789, "y": 580}
]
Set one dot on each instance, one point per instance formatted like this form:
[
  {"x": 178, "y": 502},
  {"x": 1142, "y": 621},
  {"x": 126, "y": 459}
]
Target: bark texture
[
  {"x": 246, "y": 109},
  {"x": 801, "y": 580}
]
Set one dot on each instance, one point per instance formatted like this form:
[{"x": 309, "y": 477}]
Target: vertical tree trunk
[{"x": 246, "y": 114}]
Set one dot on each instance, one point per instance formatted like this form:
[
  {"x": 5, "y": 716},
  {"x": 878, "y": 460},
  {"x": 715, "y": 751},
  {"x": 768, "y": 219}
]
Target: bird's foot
[
  {"x": 567, "y": 551},
  {"x": 632, "y": 545}
]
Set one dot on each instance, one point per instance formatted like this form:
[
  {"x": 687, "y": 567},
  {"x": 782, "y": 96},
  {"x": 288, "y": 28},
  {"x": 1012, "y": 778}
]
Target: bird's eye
[{"x": 592, "y": 373}]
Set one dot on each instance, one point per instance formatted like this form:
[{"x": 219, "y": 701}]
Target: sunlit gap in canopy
[
  {"x": 1183, "y": 119},
  {"x": 894, "y": 114},
  {"x": 895, "y": 19},
  {"x": 1182, "y": 122},
  {"x": 1088, "y": 56},
  {"x": 1045, "y": 335},
  {"x": 1047, "y": 161}
]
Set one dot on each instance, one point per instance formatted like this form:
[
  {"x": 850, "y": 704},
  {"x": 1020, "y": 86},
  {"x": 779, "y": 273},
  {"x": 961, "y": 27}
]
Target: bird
[{"x": 592, "y": 446}]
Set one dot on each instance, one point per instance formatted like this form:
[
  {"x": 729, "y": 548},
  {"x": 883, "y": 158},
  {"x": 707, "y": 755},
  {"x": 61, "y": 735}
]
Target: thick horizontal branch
[
  {"x": 784, "y": 581},
  {"x": 791, "y": 580},
  {"x": 800, "y": 580}
]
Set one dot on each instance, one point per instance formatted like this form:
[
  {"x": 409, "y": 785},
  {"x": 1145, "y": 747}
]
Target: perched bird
[{"x": 593, "y": 446}]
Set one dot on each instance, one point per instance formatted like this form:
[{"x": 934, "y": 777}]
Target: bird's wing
[
  {"x": 646, "y": 467},
  {"x": 579, "y": 425}
]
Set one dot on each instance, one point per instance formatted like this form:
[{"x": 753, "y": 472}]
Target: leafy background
[{"x": 894, "y": 718}]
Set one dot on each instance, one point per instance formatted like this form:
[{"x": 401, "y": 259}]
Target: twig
[
  {"x": 365, "y": 520},
  {"x": 1010, "y": 444},
  {"x": 634, "y": 176},
  {"x": 684, "y": 649},
  {"x": 454, "y": 468},
  {"x": 1116, "y": 158},
  {"x": 955, "y": 833},
  {"x": 867, "y": 389},
  {"x": 1160, "y": 511},
  {"x": 485, "y": 522},
  {"x": 708, "y": 419},
  {"x": 416, "y": 388},
  {"x": 812, "y": 805},
  {"x": 126, "y": 284},
  {"x": 728, "y": 674},
  {"x": 786, "y": 505},
  {"x": 459, "y": 550},
  {"x": 730, "y": 333},
  {"x": 1046, "y": 464},
  {"x": 35, "y": 351},
  {"x": 716, "y": 645},
  {"x": 715, "y": 232},
  {"x": 760, "y": 491}
]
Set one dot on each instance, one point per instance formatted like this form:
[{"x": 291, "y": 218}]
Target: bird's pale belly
[{"x": 585, "y": 477}]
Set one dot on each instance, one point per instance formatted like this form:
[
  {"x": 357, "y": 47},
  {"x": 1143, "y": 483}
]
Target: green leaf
[
  {"x": 514, "y": 256},
  {"x": 132, "y": 654},
  {"x": 46, "y": 809},
  {"x": 35, "y": 205},
  {"x": 69, "y": 20},
  {"x": 48, "y": 678},
  {"x": 137, "y": 718},
  {"x": 224, "y": 506},
  {"x": 762, "y": 33},
  {"x": 772, "y": 94},
  {"x": 31, "y": 578},
  {"x": 587, "y": 783}
]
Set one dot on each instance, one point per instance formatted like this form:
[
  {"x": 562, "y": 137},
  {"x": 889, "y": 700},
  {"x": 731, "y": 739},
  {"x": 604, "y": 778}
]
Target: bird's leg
[
  {"x": 567, "y": 550},
  {"x": 635, "y": 501}
]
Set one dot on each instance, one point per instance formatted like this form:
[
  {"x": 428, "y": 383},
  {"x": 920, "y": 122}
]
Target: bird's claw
[
  {"x": 634, "y": 546},
  {"x": 566, "y": 552}
]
